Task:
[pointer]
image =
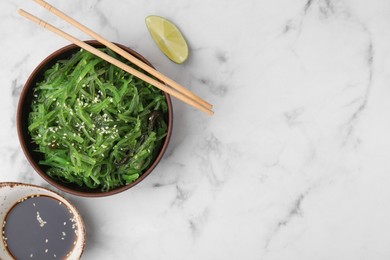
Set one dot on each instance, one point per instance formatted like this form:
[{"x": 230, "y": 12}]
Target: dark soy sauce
[{"x": 39, "y": 227}]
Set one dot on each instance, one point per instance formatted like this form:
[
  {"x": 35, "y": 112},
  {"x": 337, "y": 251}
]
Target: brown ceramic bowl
[{"x": 29, "y": 148}]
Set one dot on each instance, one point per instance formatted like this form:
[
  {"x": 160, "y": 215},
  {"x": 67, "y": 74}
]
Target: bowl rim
[{"x": 36, "y": 166}]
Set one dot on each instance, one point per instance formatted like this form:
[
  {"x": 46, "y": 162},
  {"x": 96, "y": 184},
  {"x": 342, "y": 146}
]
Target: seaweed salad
[{"x": 96, "y": 125}]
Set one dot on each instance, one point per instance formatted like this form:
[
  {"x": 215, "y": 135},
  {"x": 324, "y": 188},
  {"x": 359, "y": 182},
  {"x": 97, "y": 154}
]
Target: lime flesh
[{"x": 168, "y": 38}]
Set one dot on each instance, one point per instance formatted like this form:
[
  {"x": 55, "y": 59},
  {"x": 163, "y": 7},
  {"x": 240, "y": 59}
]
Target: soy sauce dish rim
[{"x": 28, "y": 191}]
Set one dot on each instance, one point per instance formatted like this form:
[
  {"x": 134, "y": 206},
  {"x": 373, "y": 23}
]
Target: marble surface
[{"x": 295, "y": 163}]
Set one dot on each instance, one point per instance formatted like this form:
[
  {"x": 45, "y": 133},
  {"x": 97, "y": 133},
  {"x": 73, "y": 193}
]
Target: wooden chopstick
[
  {"x": 123, "y": 53},
  {"x": 116, "y": 62}
]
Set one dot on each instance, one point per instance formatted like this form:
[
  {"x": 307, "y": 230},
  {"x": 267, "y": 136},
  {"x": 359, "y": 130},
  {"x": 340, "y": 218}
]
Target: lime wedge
[{"x": 168, "y": 38}]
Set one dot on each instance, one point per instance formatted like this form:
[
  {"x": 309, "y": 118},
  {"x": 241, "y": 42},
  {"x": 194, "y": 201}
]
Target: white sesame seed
[{"x": 40, "y": 220}]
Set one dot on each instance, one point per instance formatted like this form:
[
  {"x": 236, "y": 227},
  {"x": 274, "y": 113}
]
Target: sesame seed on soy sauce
[{"x": 39, "y": 227}]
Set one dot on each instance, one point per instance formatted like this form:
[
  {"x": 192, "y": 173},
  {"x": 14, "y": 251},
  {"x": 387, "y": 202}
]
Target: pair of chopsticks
[{"x": 173, "y": 88}]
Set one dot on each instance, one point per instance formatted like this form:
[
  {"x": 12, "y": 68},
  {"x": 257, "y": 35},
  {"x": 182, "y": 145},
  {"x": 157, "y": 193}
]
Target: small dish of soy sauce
[{"x": 37, "y": 223}]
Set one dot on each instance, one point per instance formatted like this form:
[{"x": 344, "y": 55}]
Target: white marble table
[{"x": 295, "y": 163}]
